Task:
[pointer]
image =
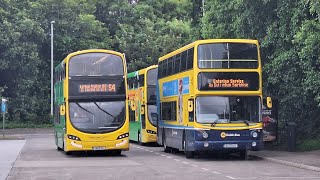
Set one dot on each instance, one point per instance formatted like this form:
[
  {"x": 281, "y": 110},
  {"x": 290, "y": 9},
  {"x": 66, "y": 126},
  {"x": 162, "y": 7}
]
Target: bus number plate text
[
  {"x": 98, "y": 148},
  {"x": 230, "y": 145}
]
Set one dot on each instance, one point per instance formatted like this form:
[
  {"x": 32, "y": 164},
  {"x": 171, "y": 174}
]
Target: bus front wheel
[
  {"x": 244, "y": 154},
  {"x": 117, "y": 152},
  {"x": 139, "y": 138},
  {"x": 188, "y": 154},
  {"x": 165, "y": 147}
]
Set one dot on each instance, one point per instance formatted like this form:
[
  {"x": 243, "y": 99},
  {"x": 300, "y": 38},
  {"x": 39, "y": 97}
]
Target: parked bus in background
[
  {"x": 142, "y": 104},
  {"x": 210, "y": 97},
  {"x": 90, "y": 102}
]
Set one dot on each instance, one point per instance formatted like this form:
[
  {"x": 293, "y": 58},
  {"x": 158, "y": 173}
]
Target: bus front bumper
[
  {"x": 254, "y": 145},
  {"x": 121, "y": 144}
]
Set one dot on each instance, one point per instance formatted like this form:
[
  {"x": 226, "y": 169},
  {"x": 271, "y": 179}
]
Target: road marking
[
  {"x": 176, "y": 160},
  {"x": 194, "y": 165},
  {"x": 184, "y": 162},
  {"x": 205, "y": 169},
  {"x": 169, "y": 157},
  {"x": 215, "y": 172},
  {"x": 292, "y": 177},
  {"x": 157, "y": 153},
  {"x": 163, "y": 155},
  {"x": 151, "y": 151},
  {"x": 230, "y": 177}
]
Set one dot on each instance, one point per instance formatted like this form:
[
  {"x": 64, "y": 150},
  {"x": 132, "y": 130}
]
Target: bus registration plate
[
  {"x": 99, "y": 148},
  {"x": 230, "y": 145}
]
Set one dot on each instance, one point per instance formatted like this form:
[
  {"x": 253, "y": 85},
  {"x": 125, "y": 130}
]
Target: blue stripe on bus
[{"x": 171, "y": 88}]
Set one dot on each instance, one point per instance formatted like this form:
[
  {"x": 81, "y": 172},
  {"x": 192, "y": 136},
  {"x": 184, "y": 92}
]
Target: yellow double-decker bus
[
  {"x": 210, "y": 97},
  {"x": 90, "y": 101},
  {"x": 142, "y": 104}
]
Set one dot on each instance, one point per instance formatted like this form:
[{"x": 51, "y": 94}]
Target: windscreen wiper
[
  {"x": 214, "y": 122},
  {"x": 246, "y": 122},
  {"x": 103, "y": 110},
  {"x": 83, "y": 108}
]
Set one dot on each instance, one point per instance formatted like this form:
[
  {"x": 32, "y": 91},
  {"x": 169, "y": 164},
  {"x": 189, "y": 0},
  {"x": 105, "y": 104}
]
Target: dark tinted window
[
  {"x": 177, "y": 62},
  {"x": 168, "y": 111},
  {"x": 95, "y": 64},
  {"x": 183, "y": 65},
  {"x": 190, "y": 59},
  {"x": 170, "y": 66},
  {"x": 141, "y": 80}
]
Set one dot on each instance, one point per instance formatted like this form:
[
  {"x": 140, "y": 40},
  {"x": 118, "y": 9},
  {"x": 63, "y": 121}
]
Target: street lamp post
[{"x": 52, "y": 22}]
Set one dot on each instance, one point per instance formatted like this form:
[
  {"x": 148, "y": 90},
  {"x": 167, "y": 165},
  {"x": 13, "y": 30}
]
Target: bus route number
[{"x": 112, "y": 87}]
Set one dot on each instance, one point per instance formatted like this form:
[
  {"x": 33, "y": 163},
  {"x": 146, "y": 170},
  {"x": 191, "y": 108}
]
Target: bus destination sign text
[
  {"x": 91, "y": 88},
  {"x": 228, "y": 83}
]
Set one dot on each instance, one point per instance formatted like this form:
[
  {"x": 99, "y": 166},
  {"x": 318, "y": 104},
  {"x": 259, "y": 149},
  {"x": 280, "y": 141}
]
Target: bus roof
[
  {"x": 141, "y": 71},
  {"x": 91, "y": 51},
  {"x": 207, "y": 41}
]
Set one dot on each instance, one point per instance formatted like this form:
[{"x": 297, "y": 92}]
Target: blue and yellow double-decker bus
[
  {"x": 142, "y": 104},
  {"x": 210, "y": 97},
  {"x": 90, "y": 100}
]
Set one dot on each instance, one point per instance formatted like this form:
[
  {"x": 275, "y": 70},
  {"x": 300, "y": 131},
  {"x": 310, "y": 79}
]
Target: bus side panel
[
  {"x": 134, "y": 128},
  {"x": 174, "y": 137}
]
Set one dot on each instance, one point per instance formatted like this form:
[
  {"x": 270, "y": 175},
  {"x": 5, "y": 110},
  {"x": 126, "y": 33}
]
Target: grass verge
[
  {"x": 13, "y": 125},
  {"x": 309, "y": 145}
]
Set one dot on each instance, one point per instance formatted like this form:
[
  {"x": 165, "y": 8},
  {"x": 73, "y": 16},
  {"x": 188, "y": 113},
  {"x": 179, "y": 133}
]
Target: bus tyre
[
  {"x": 59, "y": 149},
  {"x": 189, "y": 154},
  {"x": 139, "y": 138},
  {"x": 244, "y": 154},
  {"x": 117, "y": 152},
  {"x": 165, "y": 147}
]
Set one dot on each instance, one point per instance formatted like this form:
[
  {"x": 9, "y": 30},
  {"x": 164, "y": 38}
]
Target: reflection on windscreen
[
  {"x": 96, "y": 117},
  {"x": 95, "y": 64},
  {"x": 227, "y": 55},
  {"x": 218, "y": 109},
  {"x": 152, "y": 114}
]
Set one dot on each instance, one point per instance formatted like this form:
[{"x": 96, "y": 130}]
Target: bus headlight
[
  {"x": 254, "y": 144},
  {"x": 255, "y": 134},
  {"x": 151, "y": 132},
  {"x": 72, "y": 137},
  {"x": 123, "y": 136},
  {"x": 205, "y": 135}
]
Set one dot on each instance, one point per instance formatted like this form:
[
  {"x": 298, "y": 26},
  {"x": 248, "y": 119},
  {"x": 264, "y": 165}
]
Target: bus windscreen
[
  {"x": 228, "y": 55},
  {"x": 95, "y": 64}
]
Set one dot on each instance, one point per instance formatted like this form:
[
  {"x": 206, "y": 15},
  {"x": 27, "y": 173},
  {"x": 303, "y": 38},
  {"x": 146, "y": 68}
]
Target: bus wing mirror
[
  {"x": 142, "y": 109},
  {"x": 62, "y": 110},
  {"x": 190, "y": 105},
  {"x": 269, "y": 102}
]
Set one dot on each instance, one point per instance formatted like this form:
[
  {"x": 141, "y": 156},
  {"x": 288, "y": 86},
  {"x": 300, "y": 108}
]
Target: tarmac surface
[{"x": 10, "y": 150}]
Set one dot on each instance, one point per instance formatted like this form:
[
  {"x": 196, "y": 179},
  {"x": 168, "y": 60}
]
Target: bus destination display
[
  {"x": 246, "y": 81},
  {"x": 85, "y": 88}
]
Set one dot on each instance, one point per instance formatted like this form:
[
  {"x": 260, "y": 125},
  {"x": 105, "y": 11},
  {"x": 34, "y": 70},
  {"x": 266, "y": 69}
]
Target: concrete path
[
  {"x": 305, "y": 160},
  {"x": 9, "y": 151}
]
